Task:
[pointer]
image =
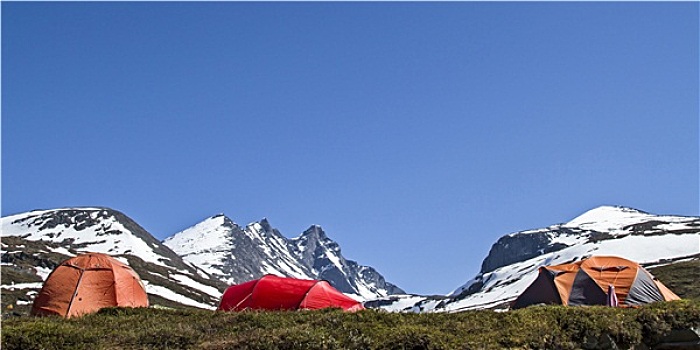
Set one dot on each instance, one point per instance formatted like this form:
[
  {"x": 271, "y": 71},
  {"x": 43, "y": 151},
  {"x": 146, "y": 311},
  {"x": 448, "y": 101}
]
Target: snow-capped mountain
[
  {"x": 513, "y": 261},
  {"x": 215, "y": 253},
  {"x": 236, "y": 254},
  {"x": 34, "y": 243},
  {"x": 326, "y": 262},
  {"x": 210, "y": 245},
  {"x": 193, "y": 267}
]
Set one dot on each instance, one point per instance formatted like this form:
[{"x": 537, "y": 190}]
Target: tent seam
[
  {"x": 75, "y": 292},
  {"x": 250, "y": 295},
  {"x": 306, "y": 294}
]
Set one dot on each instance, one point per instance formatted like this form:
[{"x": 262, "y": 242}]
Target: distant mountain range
[
  {"x": 237, "y": 254},
  {"x": 193, "y": 267},
  {"x": 203, "y": 261},
  {"x": 513, "y": 262}
]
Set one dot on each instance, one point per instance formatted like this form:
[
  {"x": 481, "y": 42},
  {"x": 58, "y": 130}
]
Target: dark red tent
[{"x": 278, "y": 293}]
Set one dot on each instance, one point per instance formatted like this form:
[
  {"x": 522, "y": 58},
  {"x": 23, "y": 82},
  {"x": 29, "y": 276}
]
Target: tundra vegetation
[{"x": 538, "y": 327}]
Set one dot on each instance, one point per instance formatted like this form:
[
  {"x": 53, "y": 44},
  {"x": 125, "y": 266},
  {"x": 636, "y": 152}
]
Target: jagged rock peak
[
  {"x": 243, "y": 253},
  {"x": 219, "y": 219},
  {"x": 265, "y": 224},
  {"x": 314, "y": 231}
]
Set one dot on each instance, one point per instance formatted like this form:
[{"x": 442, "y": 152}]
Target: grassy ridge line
[{"x": 551, "y": 327}]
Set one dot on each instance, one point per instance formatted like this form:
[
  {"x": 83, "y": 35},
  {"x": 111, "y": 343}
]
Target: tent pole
[{"x": 75, "y": 292}]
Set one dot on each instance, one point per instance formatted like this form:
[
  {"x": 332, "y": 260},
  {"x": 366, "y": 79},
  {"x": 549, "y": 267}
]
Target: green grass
[
  {"x": 683, "y": 278},
  {"x": 543, "y": 327}
]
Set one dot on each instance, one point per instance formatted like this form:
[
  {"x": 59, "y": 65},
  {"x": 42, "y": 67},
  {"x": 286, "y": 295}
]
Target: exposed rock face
[
  {"x": 599, "y": 224},
  {"x": 235, "y": 255},
  {"x": 326, "y": 261},
  {"x": 511, "y": 249},
  {"x": 210, "y": 255}
]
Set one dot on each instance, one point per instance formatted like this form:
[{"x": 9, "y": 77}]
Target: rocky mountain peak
[
  {"x": 315, "y": 232},
  {"x": 314, "y": 245},
  {"x": 265, "y": 224},
  {"x": 240, "y": 254},
  {"x": 227, "y": 222},
  {"x": 219, "y": 220}
]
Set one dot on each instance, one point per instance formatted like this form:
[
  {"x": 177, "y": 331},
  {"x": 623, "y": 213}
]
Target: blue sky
[{"x": 415, "y": 134}]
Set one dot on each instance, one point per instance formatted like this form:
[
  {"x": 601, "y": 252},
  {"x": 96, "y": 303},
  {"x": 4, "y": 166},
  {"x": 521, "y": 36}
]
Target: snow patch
[
  {"x": 34, "y": 285},
  {"x": 170, "y": 295},
  {"x": 43, "y": 272},
  {"x": 61, "y": 250},
  {"x": 182, "y": 279}
]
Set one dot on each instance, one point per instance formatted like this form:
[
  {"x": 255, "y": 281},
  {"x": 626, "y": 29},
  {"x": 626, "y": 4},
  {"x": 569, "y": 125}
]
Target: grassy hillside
[
  {"x": 683, "y": 278},
  {"x": 551, "y": 327}
]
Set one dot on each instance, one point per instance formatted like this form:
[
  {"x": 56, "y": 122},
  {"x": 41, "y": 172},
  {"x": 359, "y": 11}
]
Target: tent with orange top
[
  {"x": 279, "y": 293},
  {"x": 598, "y": 280},
  {"x": 87, "y": 283}
]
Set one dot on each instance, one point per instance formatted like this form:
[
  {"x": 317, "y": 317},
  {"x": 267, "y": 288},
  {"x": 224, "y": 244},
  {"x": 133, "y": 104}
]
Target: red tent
[{"x": 278, "y": 293}]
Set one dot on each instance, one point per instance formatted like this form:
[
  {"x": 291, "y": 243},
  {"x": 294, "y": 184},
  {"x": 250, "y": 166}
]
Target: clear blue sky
[{"x": 416, "y": 134}]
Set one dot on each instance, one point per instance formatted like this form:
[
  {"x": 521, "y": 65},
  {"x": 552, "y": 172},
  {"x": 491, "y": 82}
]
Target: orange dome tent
[
  {"x": 279, "y": 293},
  {"x": 87, "y": 283},
  {"x": 589, "y": 281}
]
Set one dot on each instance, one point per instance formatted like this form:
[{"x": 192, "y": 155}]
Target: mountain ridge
[
  {"x": 514, "y": 258},
  {"x": 35, "y": 242},
  {"x": 261, "y": 249},
  {"x": 195, "y": 275}
]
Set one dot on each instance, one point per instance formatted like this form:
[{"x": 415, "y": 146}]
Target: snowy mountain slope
[
  {"x": 101, "y": 229},
  {"x": 514, "y": 259},
  {"x": 217, "y": 252},
  {"x": 259, "y": 250},
  {"x": 323, "y": 255},
  {"x": 55, "y": 235},
  {"x": 237, "y": 254}
]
